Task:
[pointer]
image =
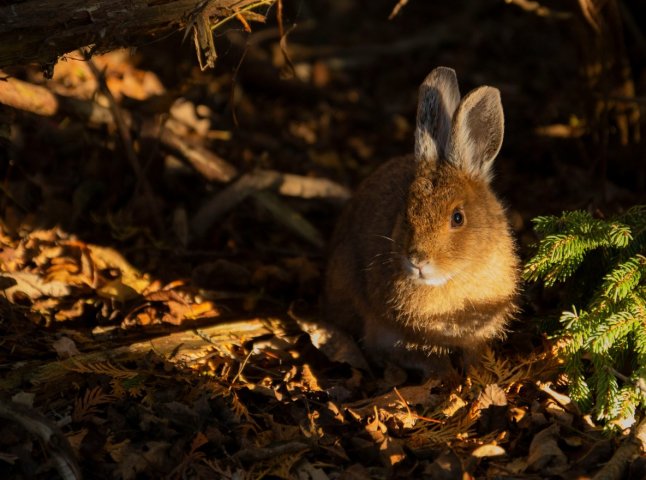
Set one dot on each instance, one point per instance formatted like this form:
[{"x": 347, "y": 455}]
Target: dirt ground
[{"x": 159, "y": 269}]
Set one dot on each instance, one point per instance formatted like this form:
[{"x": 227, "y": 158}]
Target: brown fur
[{"x": 401, "y": 215}]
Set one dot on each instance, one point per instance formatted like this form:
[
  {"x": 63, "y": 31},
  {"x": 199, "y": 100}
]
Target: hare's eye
[{"x": 457, "y": 218}]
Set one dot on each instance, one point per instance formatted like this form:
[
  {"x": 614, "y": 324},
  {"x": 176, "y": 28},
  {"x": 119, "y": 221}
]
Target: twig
[
  {"x": 208, "y": 164},
  {"x": 639, "y": 383},
  {"x": 538, "y": 9},
  {"x": 591, "y": 11},
  {"x": 404, "y": 402},
  {"x": 289, "y": 217},
  {"x": 260, "y": 3},
  {"x": 203, "y": 39},
  {"x": 124, "y": 132},
  {"x": 283, "y": 37},
  {"x": 563, "y": 400},
  {"x": 397, "y": 8},
  {"x": 240, "y": 370}
]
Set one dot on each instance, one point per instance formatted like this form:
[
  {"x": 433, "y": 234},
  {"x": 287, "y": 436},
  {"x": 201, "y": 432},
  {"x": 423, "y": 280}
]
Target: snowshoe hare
[{"x": 422, "y": 260}]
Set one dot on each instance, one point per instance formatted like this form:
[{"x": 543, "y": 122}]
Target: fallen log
[{"x": 41, "y": 31}]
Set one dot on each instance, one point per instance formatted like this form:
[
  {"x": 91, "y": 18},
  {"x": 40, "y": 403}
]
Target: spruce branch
[{"x": 604, "y": 333}]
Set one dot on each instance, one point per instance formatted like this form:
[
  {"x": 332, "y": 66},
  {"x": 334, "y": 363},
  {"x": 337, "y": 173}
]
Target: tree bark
[{"x": 41, "y": 31}]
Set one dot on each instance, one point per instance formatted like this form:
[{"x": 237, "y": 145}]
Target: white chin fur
[{"x": 428, "y": 275}]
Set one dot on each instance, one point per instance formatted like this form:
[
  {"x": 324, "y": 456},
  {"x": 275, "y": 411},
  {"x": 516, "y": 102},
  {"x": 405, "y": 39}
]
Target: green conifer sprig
[{"x": 605, "y": 335}]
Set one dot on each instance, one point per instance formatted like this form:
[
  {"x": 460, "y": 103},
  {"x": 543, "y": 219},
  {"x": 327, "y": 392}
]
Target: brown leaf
[
  {"x": 65, "y": 347},
  {"x": 492, "y": 395},
  {"x": 488, "y": 450},
  {"x": 199, "y": 440},
  {"x": 117, "y": 290},
  {"x": 336, "y": 344},
  {"x": 492, "y": 403},
  {"x": 356, "y": 472},
  {"x": 309, "y": 379},
  {"x": 454, "y": 405},
  {"x": 169, "y": 306},
  {"x": 34, "y": 286},
  {"x": 391, "y": 451},
  {"x": 545, "y": 456},
  {"x": 559, "y": 413},
  {"x": 150, "y": 457},
  {"x": 107, "y": 258},
  {"x": 445, "y": 467}
]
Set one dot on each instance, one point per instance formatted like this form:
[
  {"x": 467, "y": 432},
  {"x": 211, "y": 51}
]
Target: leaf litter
[{"x": 262, "y": 402}]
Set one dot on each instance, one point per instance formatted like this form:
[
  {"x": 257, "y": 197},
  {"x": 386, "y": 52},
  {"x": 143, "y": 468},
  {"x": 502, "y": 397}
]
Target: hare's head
[{"x": 453, "y": 220}]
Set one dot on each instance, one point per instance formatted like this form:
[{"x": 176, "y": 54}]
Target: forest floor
[{"x": 157, "y": 270}]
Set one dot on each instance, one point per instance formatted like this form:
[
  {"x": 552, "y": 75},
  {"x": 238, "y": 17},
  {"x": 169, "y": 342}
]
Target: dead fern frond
[
  {"x": 281, "y": 466},
  {"x": 502, "y": 372},
  {"x": 192, "y": 457},
  {"x": 239, "y": 410},
  {"x": 87, "y": 406},
  {"x": 101, "y": 368},
  {"x": 458, "y": 424},
  {"x": 132, "y": 387}
]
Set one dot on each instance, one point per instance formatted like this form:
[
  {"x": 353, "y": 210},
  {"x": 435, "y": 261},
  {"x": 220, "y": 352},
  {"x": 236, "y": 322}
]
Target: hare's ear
[
  {"x": 477, "y": 132},
  {"x": 439, "y": 96}
]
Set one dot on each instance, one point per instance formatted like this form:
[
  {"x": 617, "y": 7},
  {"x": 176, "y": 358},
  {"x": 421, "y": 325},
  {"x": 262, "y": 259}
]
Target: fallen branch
[
  {"x": 632, "y": 447},
  {"x": 211, "y": 166},
  {"x": 289, "y": 217},
  {"x": 186, "y": 347},
  {"x": 283, "y": 183},
  {"x": 126, "y": 140},
  {"x": 50, "y": 436},
  {"x": 41, "y": 101}
]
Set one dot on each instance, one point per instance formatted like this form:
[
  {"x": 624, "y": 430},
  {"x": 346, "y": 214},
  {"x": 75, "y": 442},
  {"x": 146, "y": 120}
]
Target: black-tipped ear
[
  {"x": 477, "y": 132},
  {"x": 439, "y": 96}
]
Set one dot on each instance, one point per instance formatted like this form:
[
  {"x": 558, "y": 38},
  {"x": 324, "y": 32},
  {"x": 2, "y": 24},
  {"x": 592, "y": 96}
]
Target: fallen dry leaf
[
  {"x": 65, "y": 347},
  {"x": 33, "y": 286},
  {"x": 391, "y": 451},
  {"x": 545, "y": 456},
  {"x": 488, "y": 450}
]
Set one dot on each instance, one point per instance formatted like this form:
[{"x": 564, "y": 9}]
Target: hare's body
[{"x": 422, "y": 259}]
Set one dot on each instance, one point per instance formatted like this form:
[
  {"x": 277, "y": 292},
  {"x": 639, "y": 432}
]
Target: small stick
[
  {"x": 126, "y": 139},
  {"x": 400, "y": 4},
  {"x": 563, "y": 400},
  {"x": 540, "y": 10},
  {"x": 250, "y": 183}
]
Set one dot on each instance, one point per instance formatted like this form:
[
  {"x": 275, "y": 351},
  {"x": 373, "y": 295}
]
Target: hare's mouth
[{"x": 425, "y": 273}]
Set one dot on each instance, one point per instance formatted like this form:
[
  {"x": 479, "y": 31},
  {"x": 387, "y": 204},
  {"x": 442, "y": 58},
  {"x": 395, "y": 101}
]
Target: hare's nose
[
  {"x": 421, "y": 264},
  {"x": 415, "y": 256}
]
